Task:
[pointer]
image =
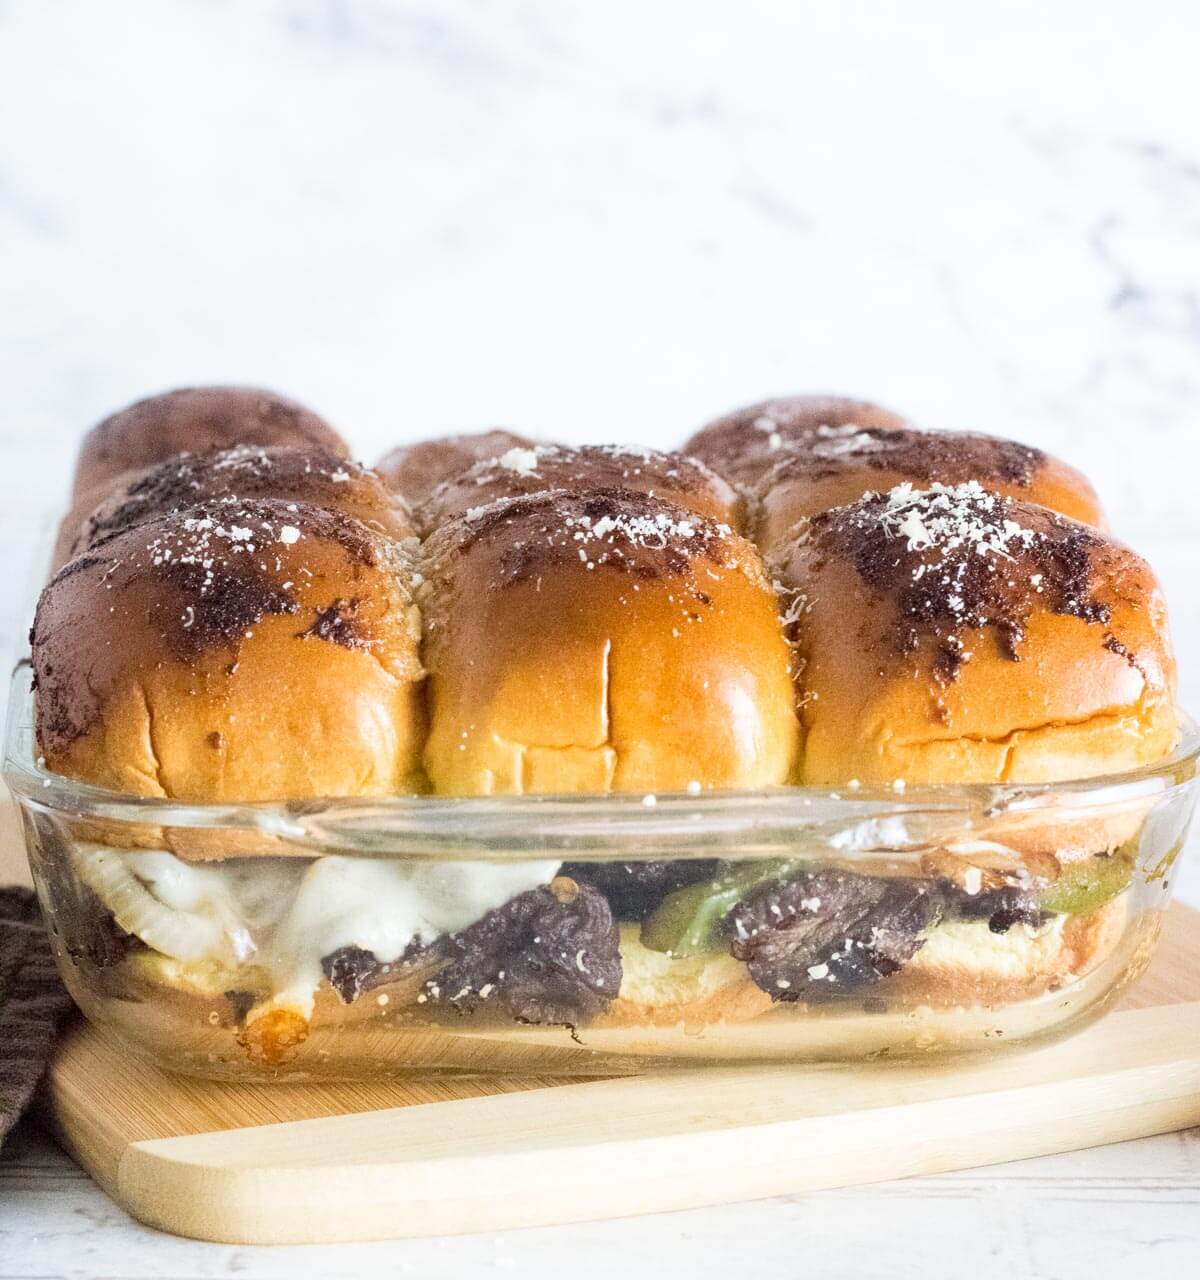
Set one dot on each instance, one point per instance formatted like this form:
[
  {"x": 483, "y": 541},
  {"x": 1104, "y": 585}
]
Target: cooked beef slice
[
  {"x": 825, "y": 933},
  {"x": 353, "y": 971},
  {"x": 549, "y": 956}
]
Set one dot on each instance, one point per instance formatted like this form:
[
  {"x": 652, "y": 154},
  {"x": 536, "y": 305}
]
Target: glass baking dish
[{"x": 597, "y": 934}]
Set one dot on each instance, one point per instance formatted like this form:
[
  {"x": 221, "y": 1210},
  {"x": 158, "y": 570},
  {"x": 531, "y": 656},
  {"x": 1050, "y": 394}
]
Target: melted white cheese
[
  {"x": 286, "y": 914},
  {"x": 382, "y": 907}
]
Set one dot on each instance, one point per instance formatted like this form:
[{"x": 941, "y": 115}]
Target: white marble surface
[{"x": 609, "y": 221}]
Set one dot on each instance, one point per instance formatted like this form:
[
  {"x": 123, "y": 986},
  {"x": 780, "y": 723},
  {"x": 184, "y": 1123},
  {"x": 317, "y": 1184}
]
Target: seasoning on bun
[
  {"x": 820, "y": 471},
  {"x": 673, "y": 477},
  {"x": 415, "y": 470},
  {"x": 744, "y": 445},
  {"x": 193, "y": 420},
  {"x": 257, "y": 650},
  {"x": 288, "y": 473},
  {"x": 950, "y": 634},
  {"x": 602, "y": 641}
]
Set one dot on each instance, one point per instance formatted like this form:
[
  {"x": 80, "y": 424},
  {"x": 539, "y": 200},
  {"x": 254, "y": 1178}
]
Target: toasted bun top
[
  {"x": 289, "y": 473},
  {"x": 260, "y": 650},
  {"x": 685, "y": 481},
  {"x": 415, "y": 470},
  {"x": 194, "y": 419},
  {"x": 832, "y": 468},
  {"x": 248, "y": 615},
  {"x": 601, "y": 641},
  {"x": 743, "y": 445},
  {"x": 954, "y": 635}
]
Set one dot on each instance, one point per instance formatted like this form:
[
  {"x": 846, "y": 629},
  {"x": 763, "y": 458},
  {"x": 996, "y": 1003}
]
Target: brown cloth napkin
[{"x": 32, "y": 1003}]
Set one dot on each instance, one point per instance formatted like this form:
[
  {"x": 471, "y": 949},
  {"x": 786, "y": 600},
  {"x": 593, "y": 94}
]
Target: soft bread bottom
[
  {"x": 964, "y": 962},
  {"x": 967, "y": 991},
  {"x": 658, "y": 990}
]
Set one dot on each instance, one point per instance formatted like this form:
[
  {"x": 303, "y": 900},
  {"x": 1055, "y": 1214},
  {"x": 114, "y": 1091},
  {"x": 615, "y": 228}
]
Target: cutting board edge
[{"x": 269, "y": 1204}]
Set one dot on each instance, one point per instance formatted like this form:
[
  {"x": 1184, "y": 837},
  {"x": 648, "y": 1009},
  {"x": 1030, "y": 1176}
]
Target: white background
[{"x": 610, "y": 221}]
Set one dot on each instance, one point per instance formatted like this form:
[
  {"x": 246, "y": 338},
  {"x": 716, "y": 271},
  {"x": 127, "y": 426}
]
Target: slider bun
[
  {"x": 256, "y": 651},
  {"x": 686, "y": 482},
  {"x": 818, "y": 472},
  {"x": 744, "y": 445},
  {"x": 603, "y": 641},
  {"x": 415, "y": 470},
  {"x": 925, "y": 657},
  {"x": 193, "y": 420},
  {"x": 964, "y": 963},
  {"x": 286, "y": 472}
]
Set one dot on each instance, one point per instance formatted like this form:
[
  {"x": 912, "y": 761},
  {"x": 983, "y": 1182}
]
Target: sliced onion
[{"x": 183, "y": 935}]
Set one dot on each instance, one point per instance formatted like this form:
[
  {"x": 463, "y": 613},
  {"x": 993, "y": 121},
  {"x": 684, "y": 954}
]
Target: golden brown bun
[
  {"x": 415, "y": 470},
  {"x": 951, "y": 635},
  {"x": 193, "y": 420},
  {"x": 289, "y": 473},
  {"x": 256, "y": 651},
  {"x": 687, "y": 482},
  {"x": 744, "y": 445},
  {"x": 819, "y": 472},
  {"x": 604, "y": 641}
]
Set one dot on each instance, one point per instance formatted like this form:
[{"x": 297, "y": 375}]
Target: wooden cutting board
[{"x": 309, "y": 1163}]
